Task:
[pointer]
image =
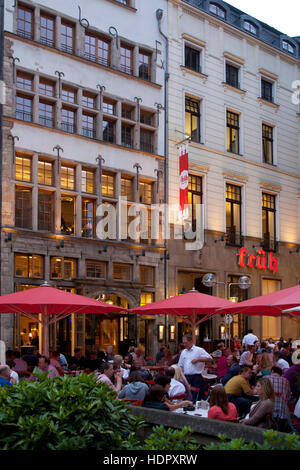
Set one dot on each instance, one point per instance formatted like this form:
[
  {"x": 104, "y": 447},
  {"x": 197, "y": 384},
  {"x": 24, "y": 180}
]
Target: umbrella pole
[
  {"x": 194, "y": 327},
  {"x": 45, "y": 332}
]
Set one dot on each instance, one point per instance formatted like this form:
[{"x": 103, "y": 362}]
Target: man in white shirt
[
  {"x": 176, "y": 387},
  {"x": 192, "y": 361},
  {"x": 280, "y": 362},
  {"x": 249, "y": 339}
]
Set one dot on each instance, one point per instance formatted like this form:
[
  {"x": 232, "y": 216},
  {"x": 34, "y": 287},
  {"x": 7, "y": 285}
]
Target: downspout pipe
[{"x": 1, "y": 127}]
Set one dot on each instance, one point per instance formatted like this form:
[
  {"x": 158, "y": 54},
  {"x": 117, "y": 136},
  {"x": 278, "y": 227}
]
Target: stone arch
[{"x": 131, "y": 295}]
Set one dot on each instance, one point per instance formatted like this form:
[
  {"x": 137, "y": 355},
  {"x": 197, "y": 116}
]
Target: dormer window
[
  {"x": 288, "y": 47},
  {"x": 250, "y": 27},
  {"x": 217, "y": 10}
]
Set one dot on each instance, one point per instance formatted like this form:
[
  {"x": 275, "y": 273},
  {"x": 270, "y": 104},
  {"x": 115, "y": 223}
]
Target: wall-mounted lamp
[
  {"x": 160, "y": 332},
  {"x": 61, "y": 245},
  {"x": 104, "y": 250}
]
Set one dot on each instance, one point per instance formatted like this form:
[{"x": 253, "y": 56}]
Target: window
[
  {"x": 108, "y": 184},
  {"x": 192, "y": 58},
  {"x": 108, "y": 107},
  {"x": 288, "y": 47},
  {"x": 67, "y": 215},
  {"x": 122, "y": 271},
  {"x": 233, "y": 132},
  {"x": 88, "y": 125},
  {"x": 97, "y": 50},
  {"x": 29, "y": 266},
  {"x": 233, "y": 215},
  {"x": 146, "y": 140},
  {"x": 23, "y": 168},
  {"x": 126, "y": 137},
  {"x": 194, "y": 197},
  {"x": 24, "y": 108},
  {"x": 47, "y": 30},
  {"x": 88, "y": 100},
  {"x": 217, "y": 10},
  {"x": 67, "y": 38},
  {"x": 147, "y": 275},
  {"x": 146, "y": 298},
  {"x": 146, "y": 118},
  {"x": 67, "y": 177},
  {"x": 127, "y": 112},
  {"x": 146, "y": 192},
  {"x": 46, "y": 88},
  {"x": 45, "y": 172},
  {"x": 96, "y": 269},
  {"x": 46, "y": 114},
  {"x": 232, "y": 75},
  {"x": 23, "y": 208},
  {"x": 63, "y": 268},
  {"x": 267, "y": 90},
  {"x": 45, "y": 211},
  {"x": 24, "y": 81},
  {"x": 267, "y": 143},
  {"x": 192, "y": 119},
  {"x": 68, "y": 120},
  {"x": 126, "y": 60},
  {"x": 88, "y": 218},
  {"x": 126, "y": 188},
  {"x": 88, "y": 181},
  {"x": 68, "y": 94},
  {"x": 250, "y": 27},
  {"x": 145, "y": 65},
  {"x": 269, "y": 222},
  {"x": 108, "y": 128},
  {"x": 25, "y": 23}
]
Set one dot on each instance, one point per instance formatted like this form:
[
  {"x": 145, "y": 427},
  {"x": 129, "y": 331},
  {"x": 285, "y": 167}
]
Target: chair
[
  {"x": 132, "y": 401},
  {"x": 197, "y": 390},
  {"x": 181, "y": 396},
  {"x": 150, "y": 382}
]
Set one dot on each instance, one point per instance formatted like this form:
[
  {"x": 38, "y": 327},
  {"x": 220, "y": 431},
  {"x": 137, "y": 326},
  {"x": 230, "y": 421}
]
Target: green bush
[
  {"x": 273, "y": 441},
  {"x": 170, "y": 439},
  {"x": 65, "y": 413}
]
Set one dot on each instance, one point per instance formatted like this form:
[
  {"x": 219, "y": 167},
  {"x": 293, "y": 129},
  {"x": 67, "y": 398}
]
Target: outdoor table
[
  {"x": 159, "y": 369},
  {"x": 198, "y": 412}
]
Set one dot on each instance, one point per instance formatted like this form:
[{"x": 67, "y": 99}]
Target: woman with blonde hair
[
  {"x": 179, "y": 375},
  {"x": 261, "y": 413},
  {"x": 265, "y": 364}
]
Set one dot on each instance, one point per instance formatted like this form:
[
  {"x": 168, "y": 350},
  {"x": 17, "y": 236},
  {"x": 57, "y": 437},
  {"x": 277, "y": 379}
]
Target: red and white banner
[{"x": 184, "y": 179}]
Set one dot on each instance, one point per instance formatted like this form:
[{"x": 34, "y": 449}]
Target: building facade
[
  {"x": 83, "y": 128},
  {"x": 231, "y": 94}
]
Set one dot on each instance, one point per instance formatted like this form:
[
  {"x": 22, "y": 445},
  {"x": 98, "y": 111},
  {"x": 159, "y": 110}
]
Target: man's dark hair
[
  {"x": 47, "y": 360},
  {"x": 276, "y": 370},
  {"x": 170, "y": 372},
  {"x": 135, "y": 377},
  {"x": 162, "y": 380},
  {"x": 105, "y": 367},
  {"x": 244, "y": 368}
]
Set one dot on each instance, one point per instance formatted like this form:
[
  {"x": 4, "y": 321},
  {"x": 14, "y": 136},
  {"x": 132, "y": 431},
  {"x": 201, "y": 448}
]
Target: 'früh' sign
[{"x": 259, "y": 261}]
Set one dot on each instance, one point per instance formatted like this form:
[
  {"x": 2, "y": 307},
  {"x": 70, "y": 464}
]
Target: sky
[{"x": 282, "y": 15}]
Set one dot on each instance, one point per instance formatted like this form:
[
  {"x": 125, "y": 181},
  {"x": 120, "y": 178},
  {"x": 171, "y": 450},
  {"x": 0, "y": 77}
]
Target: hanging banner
[{"x": 184, "y": 179}]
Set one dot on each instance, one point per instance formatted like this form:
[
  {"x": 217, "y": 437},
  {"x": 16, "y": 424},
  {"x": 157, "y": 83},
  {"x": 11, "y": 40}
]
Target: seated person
[
  {"x": 164, "y": 381},
  {"x": 239, "y": 391},
  {"x": 5, "y": 376},
  {"x": 77, "y": 361},
  {"x": 93, "y": 362},
  {"x": 219, "y": 351},
  {"x": 156, "y": 398},
  {"x": 176, "y": 387},
  {"x": 45, "y": 366},
  {"x": 293, "y": 376},
  {"x": 137, "y": 389},
  {"x": 138, "y": 360},
  {"x": 167, "y": 359},
  {"x": 21, "y": 365},
  {"x": 179, "y": 375},
  {"x": 222, "y": 366},
  {"x": 220, "y": 407},
  {"x": 234, "y": 369},
  {"x": 118, "y": 364},
  {"x": 261, "y": 412},
  {"x": 54, "y": 361},
  {"x": 106, "y": 375},
  {"x": 264, "y": 364}
]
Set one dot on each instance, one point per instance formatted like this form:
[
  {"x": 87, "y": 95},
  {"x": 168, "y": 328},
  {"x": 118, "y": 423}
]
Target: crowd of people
[{"x": 255, "y": 382}]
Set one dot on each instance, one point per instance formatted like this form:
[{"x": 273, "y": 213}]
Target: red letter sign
[{"x": 184, "y": 179}]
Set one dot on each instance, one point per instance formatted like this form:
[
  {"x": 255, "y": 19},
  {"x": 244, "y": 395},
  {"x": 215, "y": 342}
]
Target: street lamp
[{"x": 244, "y": 282}]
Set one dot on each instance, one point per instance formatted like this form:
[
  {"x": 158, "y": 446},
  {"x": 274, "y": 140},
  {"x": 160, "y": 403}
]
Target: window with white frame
[
  {"x": 217, "y": 10},
  {"x": 288, "y": 47},
  {"x": 250, "y": 27}
]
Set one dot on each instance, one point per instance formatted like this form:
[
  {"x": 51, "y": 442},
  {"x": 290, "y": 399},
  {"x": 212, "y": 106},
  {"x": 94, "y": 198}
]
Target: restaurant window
[
  {"x": 63, "y": 268},
  {"x": 269, "y": 221},
  {"x": 23, "y": 208},
  {"x": 108, "y": 128},
  {"x": 31, "y": 266},
  {"x": 88, "y": 125},
  {"x": 126, "y": 136},
  {"x": 68, "y": 120},
  {"x": 47, "y": 30},
  {"x": 97, "y": 50},
  {"x": 46, "y": 88},
  {"x": 233, "y": 132},
  {"x": 67, "y": 177},
  {"x": 88, "y": 181},
  {"x": 45, "y": 173},
  {"x": 45, "y": 211},
  {"x": 67, "y": 38},
  {"x": 146, "y": 140},
  {"x": 192, "y": 119},
  {"x": 126, "y": 188},
  {"x": 122, "y": 271},
  {"x": 192, "y": 58},
  {"x": 146, "y": 298},
  {"x": 88, "y": 218},
  {"x": 147, "y": 275},
  {"x": 145, "y": 65},
  {"x": 126, "y": 59},
  {"x": 24, "y": 81},
  {"x": 108, "y": 184},
  {"x": 194, "y": 197},
  {"x": 95, "y": 269},
  {"x": 146, "y": 192},
  {"x": 233, "y": 215},
  {"x": 267, "y": 143},
  {"x": 25, "y": 22},
  {"x": 67, "y": 215},
  {"x": 46, "y": 114},
  {"x": 24, "y": 108},
  {"x": 23, "y": 168},
  {"x": 232, "y": 75},
  {"x": 88, "y": 100},
  {"x": 267, "y": 90}
]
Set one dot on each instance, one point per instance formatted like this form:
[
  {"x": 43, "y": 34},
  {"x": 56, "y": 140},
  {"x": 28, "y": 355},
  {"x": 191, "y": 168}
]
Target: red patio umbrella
[
  {"x": 53, "y": 305},
  {"x": 272, "y": 304},
  {"x": 188, "y": 305}
]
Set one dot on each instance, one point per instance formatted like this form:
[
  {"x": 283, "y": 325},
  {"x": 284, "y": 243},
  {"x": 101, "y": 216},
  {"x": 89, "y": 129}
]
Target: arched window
[
  {"x": 288, "y": 47},
  {"x": 217, "y": 10},
  {"x": 250, "y": 27}
]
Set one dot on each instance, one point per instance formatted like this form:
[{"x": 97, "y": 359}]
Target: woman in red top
[{"x": 220, "y": 407}]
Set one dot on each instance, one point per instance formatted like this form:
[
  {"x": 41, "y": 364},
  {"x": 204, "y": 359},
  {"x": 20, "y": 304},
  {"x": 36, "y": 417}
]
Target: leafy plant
[
  {"x": 272, "y": 441},
  {"x": 170, "y": 439},
  {"x": 65, "y": 413}
]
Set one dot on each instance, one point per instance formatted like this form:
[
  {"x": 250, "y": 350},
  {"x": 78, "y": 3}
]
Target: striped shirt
[{"x": 282, "y": 391}]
